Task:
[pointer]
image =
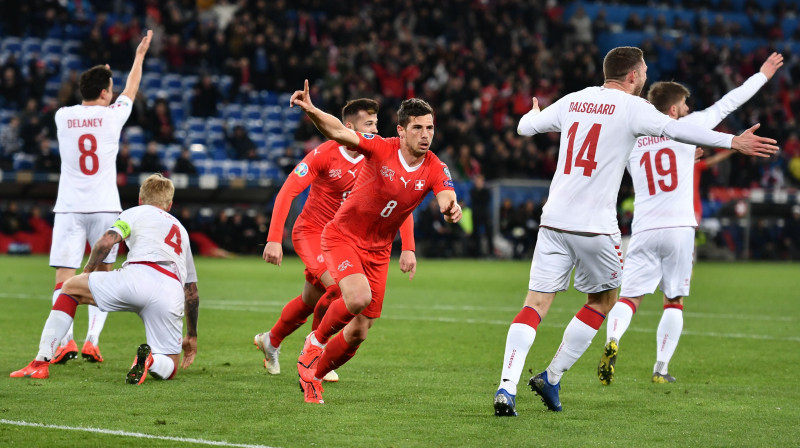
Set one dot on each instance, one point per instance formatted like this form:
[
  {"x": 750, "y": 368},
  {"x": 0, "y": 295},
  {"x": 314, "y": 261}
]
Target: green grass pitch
[{"x": 428, "y": 371}]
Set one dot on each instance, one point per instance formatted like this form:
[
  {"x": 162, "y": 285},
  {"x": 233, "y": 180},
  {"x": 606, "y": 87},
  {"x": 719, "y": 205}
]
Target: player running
[
  {"x": 158, "y": 282},
  {"x": 88, "y": 200},
  {"x": 397, "y": 175},
  {"x": 662, "y": 242},
  {"x": 331, "y": 171},
  {"x": 599, "y": 127}
]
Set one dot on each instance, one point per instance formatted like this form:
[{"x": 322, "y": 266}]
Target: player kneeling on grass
[{"x": 158, "y": 282}]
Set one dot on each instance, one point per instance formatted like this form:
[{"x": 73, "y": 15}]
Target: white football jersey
[
  {"x": 88, "y": 142},
  {"x": 663, "y": 169},
  {"x": 156, "y": 236},
  {"x": 599, "y": 127}
]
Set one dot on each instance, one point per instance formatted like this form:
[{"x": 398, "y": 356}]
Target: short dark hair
[
  {"x": 353, "y": 107},
  {"x": 412, "y": 107},
  {"x": 93, "y": 82},
  {"x": 620, "y": 61},
  {"x": 665, "y": 94}
]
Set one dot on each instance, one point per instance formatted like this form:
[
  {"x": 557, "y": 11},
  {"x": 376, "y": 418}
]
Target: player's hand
[
  {"x": 144, "y": 44},
  {"x": 751, "y": 144},
  {"x": 301, "y": 98},
  {"x": 408, "y": 263},
  {"x": 189, "y": 350},
  {"x": 273, "y": 253},
  {"x": 452, "y": 212},
  {"x": 698, "y": 154},
  {"x": 535, "y": 107},
  {"x": 772, "y": 64}
]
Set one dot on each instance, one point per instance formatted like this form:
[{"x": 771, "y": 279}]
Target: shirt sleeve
[
  {"x": 692, "y": 134},
  {"x": 440, "y": 179},
  {"x": 645, "y": 119},
  {"x": 304, "y": 173},
  {"x": 191, "y": 272},
  {"x": 121, "y": 110},
  {"x": 122, "y": 225},
  {"x": 548, "y": 120},
  {"x": 711, "y": 117},
  {"x": 370, "y": 144},
  {"x": 407, "y": 233}
]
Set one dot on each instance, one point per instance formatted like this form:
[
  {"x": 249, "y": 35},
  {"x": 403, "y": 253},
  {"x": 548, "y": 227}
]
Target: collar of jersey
[
  {"x": 347, "y": 157},
  {"x": 409, "y": 169}
]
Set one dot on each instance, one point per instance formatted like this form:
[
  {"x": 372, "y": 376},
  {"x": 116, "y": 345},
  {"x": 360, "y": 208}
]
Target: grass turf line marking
[{"x": 130, "y": 434}]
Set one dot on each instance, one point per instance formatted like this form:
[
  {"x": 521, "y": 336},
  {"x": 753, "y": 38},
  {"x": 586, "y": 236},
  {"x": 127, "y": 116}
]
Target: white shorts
[
  {"x": 157, "y": 298},
  {"x": 71, "y": 232},
  {"x": 597, "y": 261},
  {"x": 659, "y": 257}
]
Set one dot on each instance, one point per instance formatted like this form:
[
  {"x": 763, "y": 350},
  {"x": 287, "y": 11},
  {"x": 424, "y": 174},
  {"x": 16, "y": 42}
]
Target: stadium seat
[
  {"x": 72, "y": 47},
  {"x": 189, "y": 81},
  {"x": 236, "y": 168},
  {"x": 32, "y": 45},
  {"x": 195, "y": 124},
  {"x": 251, "y": 112},
  {"x": 269, "y": 98},
  {"x": 52, "y": 47},
  {"x": 178, "y": 114},
  {"x": 232, "y": 111},
  {"x": 214, "y": 125},
  {"x": 273, "y": 113},
  {"x": 11, "y": 44}
]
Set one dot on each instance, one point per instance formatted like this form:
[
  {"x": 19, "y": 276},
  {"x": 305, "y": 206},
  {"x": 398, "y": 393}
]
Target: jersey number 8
[{"x": 88, "y": 154}]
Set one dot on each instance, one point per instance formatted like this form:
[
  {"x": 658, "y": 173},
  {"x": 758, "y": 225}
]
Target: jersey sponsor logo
[
  {"x": 367, "y": 136},
  {"x": 447, "y": 172},
  {"x": 448, "y": 183},
  {"x": 345, "y": 264},
  {"x": 336, "y": 174},
  {"x": 419, "y": 185},
  {"x": 353, "y": 172},
  {"x": 387, "y": 172},
  {"x": 301, "y": 169},
  {"x": 405, "y": 182},
  {"x": 592, "y": 108}
]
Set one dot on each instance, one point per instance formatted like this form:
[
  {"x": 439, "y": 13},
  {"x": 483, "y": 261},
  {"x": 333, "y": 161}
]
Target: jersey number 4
[
  {"x": 88, "y": 154},
  {"x": 670, "y": 170},
  {"x": 588, "y": 149},
  {"x": 173, "y": 239}
]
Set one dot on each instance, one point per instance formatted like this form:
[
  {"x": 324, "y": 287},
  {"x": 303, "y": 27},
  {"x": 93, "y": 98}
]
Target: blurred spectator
[
  {"x": 791, "y": 234},
  {"x": 13, "y": 220},
  {"x": 184, "y": 164},
  {"x": 151, "y": 161},
  {"x": 241, "y": 147},
  {"x": 581, "y": 26},
  {"x": 11, "y": 91},
  {"x": 47, "y": 161},
  {"x": 482, "y": 233},
  {"x": 125, "y": 163},
  {"x": 205, "y": 98},
  {"x": 466, "y": 165},
  {"x": 160, "y": 124},
  {"x": 10, "y": 143}
]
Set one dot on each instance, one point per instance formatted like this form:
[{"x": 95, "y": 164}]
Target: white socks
[
  {"x": 667, "y": 336},
  {"x": 97, "y": 319},
  {"x": 162, "y": 367},
  {"x": 518, "y": 343},
  {"x": 619, "y": 318},
  {"x": 577, "y": 338},
  {"x": 54, "y": 329},
  {"x": 68, "y": 335}
]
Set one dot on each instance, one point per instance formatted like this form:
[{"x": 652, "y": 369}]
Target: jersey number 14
[{"x": 587, "y": 152}]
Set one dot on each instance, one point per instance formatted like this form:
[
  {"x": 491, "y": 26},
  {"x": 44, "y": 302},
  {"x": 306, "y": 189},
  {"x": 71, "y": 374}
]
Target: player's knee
[
  {"x": 78, "y": 288},
  {"x": 358, "y": 300}
]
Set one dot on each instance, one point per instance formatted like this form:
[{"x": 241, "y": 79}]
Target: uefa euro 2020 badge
[{"x": 301, "y": 169}]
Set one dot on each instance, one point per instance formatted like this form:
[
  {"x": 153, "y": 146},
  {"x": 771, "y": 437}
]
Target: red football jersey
[
  {"x": 387, "y": 191},
  {"x": 331, "y": 172}
]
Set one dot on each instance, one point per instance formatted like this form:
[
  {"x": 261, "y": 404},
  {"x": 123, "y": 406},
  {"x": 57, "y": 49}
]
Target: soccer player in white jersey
[
  {"x": 88, "y": 200},
  {"x": 158, "y": 282},
  {"x": 662, "y": 242},
  {"x": 599, "y": 126}
]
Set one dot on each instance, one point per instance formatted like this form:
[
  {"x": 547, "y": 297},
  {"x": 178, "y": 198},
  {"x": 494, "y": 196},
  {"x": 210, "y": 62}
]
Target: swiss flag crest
[{"x": 419, "y": 185}]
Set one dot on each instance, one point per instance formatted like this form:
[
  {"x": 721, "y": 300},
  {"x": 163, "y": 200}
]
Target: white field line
[
  {"x": 130, "y": 434},
  {"x": 269, "y": 306}
]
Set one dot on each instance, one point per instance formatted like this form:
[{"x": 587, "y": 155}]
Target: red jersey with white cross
[
  {"x": 387, "y": 191},
  {"x": 331, "y": 172}
]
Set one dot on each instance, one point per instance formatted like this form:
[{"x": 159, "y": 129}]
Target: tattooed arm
[
  {"x": 191, "y": 309},
  {"x": 101, "y": 249}
]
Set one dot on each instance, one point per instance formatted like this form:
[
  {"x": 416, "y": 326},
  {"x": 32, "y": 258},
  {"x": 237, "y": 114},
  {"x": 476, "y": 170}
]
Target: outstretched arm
[
  {"x": 746, "y": 143},
  {"x": 135, "y": 76},
  {"x": 448, "y": 206},
  {"x": 408, "y": 259},
  {"x": 191, "y": 309},
  {"x": 101, "y": 250},
  {"x": 329, "y": 125}
]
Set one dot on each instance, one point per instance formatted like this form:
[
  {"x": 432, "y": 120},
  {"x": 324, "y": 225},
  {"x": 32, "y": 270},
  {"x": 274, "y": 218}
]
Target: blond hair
[
  {"x": 666, "y": 94},
  {"x": 157, "y": 190}
]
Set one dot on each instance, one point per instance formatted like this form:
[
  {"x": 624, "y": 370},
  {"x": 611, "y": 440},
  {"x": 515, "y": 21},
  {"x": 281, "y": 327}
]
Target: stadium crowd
[{"x": 478, "y": 63}]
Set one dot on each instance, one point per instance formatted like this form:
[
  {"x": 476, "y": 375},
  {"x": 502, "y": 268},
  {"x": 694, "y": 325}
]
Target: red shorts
[
  {"x": 306, "y": 240},
  {"x": 345, "y": 258}
]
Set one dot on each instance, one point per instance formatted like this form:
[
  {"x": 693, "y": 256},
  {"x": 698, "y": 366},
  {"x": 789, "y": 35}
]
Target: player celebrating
[
  {"x": 662, "y": 241},
  {"x": 578, "y": 226},
  {"x": 331, "y": 171},
  {"x": 88, "y": 200},
  {"x": 158, "y": 282},
  {"x": 397, "y": 174}
]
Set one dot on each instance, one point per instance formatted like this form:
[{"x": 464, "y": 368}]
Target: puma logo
[
  {"x": 353, "y": 172},
  {"x": 405, "y": 182}
]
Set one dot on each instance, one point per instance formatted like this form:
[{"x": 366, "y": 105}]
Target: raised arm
[
  {"x": 101, "y": 249},
  {"x": 329, "y": 125},
  {"x": 191, "y": 310},
  {"x": 135, "y": 76},
  {"x": 537, "y": 121}
]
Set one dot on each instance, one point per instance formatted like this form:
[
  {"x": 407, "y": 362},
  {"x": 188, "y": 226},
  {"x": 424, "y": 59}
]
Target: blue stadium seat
[
  {"x": 32, "y": 45},
  {"x": 194, "y": 124},
  {"x": 189, "y": 81},
  {"x": 11, "y": 44},
  {"x": 151, "y": 81},
  {"x": 172, "y": 82},
  {"x": 72, "y": 63},
  {"x": 178, "y": 114},
  {"x": 217, "y": 168},
  {"x": 203, "y": 166},
  {"x": 219, "y": 154},
  {"x": 274, "y": 113},
  {"x": 251, "y": 112},
  {"x": 236, "y": 168},
  {"x": 214, "y": 125},
  {"x": 52, "y": 46},
  {"x": 232, "y": 111},
  {"x": 269, "y": 98},
  {"x": 72, "y": 47}
]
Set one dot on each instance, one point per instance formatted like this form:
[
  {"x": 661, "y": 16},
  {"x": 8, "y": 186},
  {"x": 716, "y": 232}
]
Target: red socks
[
  {"x": 529, "y": 317},
  {"x": 294, "y": 315},
  {"x": 591, "y": 317},
  {"x": 66, "y": 304},
  {"x": 335, "y": 319},
  {"x": 336, "y": 354},
  {"x": 331, "y": 294}
]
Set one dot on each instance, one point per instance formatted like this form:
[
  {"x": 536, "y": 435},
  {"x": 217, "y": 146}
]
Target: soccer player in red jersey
[
  {"x": 330, "y": 170},
  {"x": 397, "y": 175}
]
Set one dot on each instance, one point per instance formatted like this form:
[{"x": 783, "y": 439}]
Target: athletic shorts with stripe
[
  {"x": 71, "y": 232},
  {"x": 659, "y": 257}
]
